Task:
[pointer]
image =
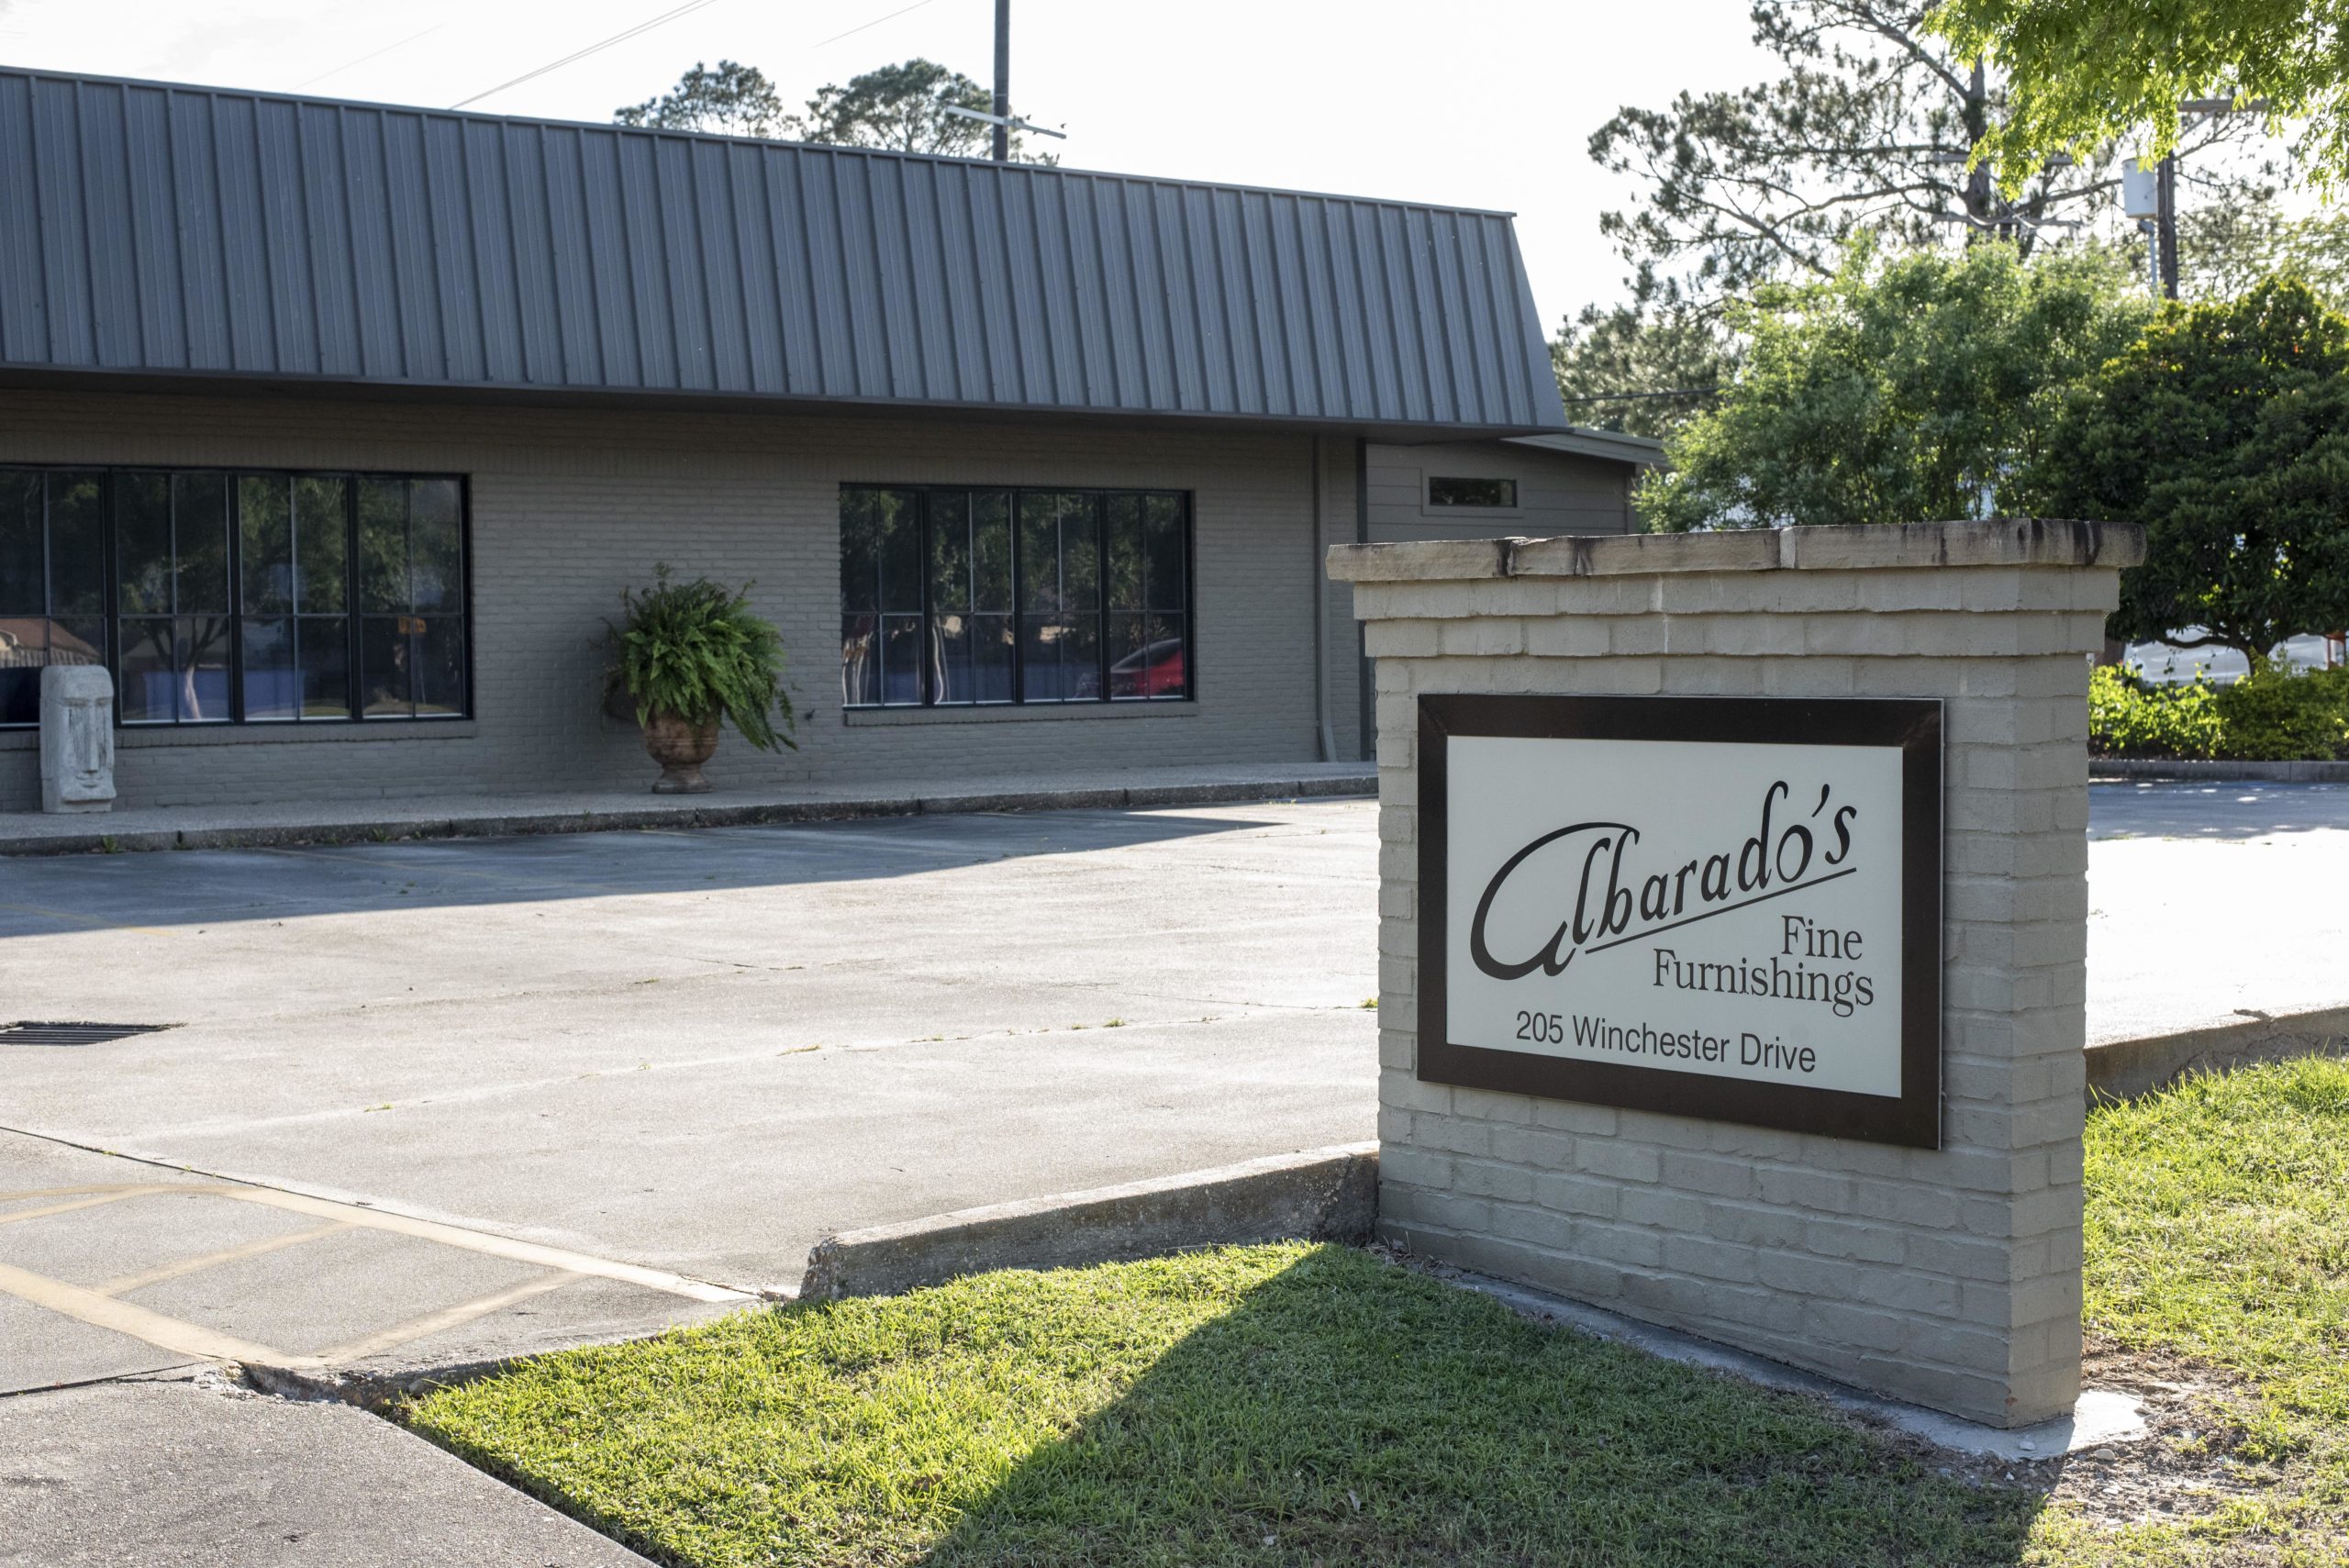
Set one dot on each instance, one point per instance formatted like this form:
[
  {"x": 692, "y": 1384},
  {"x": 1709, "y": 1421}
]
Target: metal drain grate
[{"x": 29, "y": 1033}]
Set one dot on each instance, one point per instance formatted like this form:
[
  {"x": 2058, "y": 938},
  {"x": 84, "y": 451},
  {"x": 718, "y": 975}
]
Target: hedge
[{"x": 2268, "y": 717}]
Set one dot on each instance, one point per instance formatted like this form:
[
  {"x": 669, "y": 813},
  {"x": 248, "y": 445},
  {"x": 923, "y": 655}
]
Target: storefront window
[
  {"x": 236, "y": 597},
  {"x": 960, "y": 597}
]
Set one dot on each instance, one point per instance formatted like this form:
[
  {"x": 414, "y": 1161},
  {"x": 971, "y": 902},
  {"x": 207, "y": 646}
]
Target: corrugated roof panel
[
  {"x": 65, "y": 241},
  {"x": 490, "y": 230},
  {"x": 1056, "y": 292},
  {"x": 24, "y": 316},
  {"x": 754, "y": 259},
  {"x": 538, "y": 294},
  {"x": 1352, "y": 281},
  {"x": 1077, "y": 259},
  {"x": 891, "y": 256},
  {"x": 423, "y": 341},
  {"x": 155, "y": 247},
  {"x": 316, "y": 183},
  {"x": 1114, "y": 262},
  {"x": 968, "y": 334},
  {"x": 1136, "y": 231},
  {"x": 374, "y": 271},
  {"x": 158, "y": 228}
]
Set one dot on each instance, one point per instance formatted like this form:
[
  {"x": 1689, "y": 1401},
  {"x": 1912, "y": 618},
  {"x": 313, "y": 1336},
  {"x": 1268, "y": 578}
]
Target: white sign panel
[{"x": 1704, "y": 905}]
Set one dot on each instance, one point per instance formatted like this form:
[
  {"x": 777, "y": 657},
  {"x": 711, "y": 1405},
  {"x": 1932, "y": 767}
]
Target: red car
[{"x": 1156, "y": 671}]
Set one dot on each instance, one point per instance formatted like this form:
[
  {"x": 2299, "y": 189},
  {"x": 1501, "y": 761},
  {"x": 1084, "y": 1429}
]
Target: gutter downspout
[
  {"x": 1366, "y": 699},
  {"x": 1320, "y": 620}
]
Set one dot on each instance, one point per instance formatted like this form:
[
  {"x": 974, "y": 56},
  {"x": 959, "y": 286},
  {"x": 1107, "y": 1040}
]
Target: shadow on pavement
[
  {"x": 214, "y": 887},
  {"x": 2219, "y": 811}
]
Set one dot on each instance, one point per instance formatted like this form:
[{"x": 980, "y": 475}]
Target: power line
[
  {"x": 876, "y": 22},
  {"x": 642, "y": 27},
  {"x": 363, "y": 58}
]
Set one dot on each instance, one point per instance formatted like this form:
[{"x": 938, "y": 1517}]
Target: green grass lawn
[{"x": 1291, "y": 1404}]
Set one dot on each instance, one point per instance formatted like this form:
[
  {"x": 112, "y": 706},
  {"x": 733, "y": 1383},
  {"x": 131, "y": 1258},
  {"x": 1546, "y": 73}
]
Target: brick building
[{"x": 335, "y": 430}]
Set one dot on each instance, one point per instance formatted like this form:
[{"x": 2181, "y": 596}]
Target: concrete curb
[
  {"x": 2125, "y": 1069},
  {"x": 2139, "y": 770},
  {"x": 1319, "y": 1194},
  {"x": 2100, "y": 1418},
  {"x": 493, "y": 824}
]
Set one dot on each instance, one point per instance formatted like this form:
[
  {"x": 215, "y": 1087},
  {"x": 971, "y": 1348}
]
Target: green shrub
[
  {"x": 693, "y": 650},
  {"x": 2275, "y": 716},
  {"x": 2270, "y": 717},
  {"x": 2129, "y": 716}
]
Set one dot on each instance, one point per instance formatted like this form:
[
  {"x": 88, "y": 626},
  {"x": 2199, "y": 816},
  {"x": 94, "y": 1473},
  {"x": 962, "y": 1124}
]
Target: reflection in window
[
  {"x": 231, "y": 597},
  {"x": 1454, "y": 491},
  {"x": 967, "y": 596},
  {"x": 52, "y": 581}
]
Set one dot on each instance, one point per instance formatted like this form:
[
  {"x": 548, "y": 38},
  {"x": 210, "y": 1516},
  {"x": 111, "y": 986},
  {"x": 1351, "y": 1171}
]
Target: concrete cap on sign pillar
[{"x": 1999, "y": 542}]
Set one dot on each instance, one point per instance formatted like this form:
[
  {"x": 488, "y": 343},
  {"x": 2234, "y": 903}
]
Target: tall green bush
[{"x": 2281, "y": 717}]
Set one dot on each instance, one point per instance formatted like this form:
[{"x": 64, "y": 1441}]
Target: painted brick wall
[
  {"x": 1950, "y": 1277},
  {"x": 1557, "y": 493},
  {"x": 570, "y": 505}
]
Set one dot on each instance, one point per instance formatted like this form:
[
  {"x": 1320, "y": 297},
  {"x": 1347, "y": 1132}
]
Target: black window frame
[
  {"x": 1509, "y": 485},
  {"x": 1019, "y": 614},
  {"x": 354, "y": 614}
]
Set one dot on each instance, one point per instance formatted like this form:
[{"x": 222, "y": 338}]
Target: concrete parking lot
[
  {"x": 538, "y": 1090},
  {"x": 684, "y": 1052}
]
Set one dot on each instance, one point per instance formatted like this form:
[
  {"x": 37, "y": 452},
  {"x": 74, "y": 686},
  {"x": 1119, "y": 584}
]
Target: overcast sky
[{"x": 1482, "y": 103}]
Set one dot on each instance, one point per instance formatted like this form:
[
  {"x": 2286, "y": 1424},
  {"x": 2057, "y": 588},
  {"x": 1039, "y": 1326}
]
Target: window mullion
[
  {"x": 235, "y": 510},
  {"x": 110, "y": 601},
  {"x": 927, "y": 686},
  {"x": 1101, "y": 598},
  {"x": 1018, "y": 602},
  {"x": 352, "y": 642}
]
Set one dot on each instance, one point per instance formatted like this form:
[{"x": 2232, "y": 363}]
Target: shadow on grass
[
  {"x": 1347, "y": 1412},
  {"x": 1280, "y": 1406}
]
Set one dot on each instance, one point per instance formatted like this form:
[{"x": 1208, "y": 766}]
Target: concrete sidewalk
[
  {"x": 189, "y": 1472},
  {"x": 591, "y": 811}
]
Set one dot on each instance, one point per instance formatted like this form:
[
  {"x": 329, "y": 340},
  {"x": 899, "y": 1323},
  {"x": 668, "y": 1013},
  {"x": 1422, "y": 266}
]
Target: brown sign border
[{"x": 1914, "y": 725}]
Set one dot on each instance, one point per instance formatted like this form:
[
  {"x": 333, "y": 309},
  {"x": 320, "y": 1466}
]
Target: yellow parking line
[
  {"x": 449, "y": 1317},
  {"x": 495, "y": 1246},
  {"x": 398, "y": 1224},
  {"x": 126, "y": 1317},
  {"x": 123, "y": 1188},
  {"x": 12, "y": 1216},
  {"x": 158, "y": 1274}
]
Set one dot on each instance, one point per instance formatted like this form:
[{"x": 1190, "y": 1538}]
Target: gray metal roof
[
  {"x": 1584, "y": 441},
  {"x": 170, "y": 232}
]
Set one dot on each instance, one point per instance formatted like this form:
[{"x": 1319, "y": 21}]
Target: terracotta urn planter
[{"x": 681, "y": 747}]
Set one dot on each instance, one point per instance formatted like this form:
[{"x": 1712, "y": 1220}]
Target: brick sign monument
[{"x": 1735, "y": 896}]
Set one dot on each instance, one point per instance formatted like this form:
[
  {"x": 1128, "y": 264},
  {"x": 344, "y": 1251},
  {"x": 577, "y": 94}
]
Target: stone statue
[{"x": 77, "y": 739}]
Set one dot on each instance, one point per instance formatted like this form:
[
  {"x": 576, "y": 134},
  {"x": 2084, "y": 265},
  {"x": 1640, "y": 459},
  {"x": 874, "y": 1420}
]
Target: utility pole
[
  {"x": 1003, "y": 81},
  {"x": 1977, "y": 121},
  {"x": 2166, "y": 225}
]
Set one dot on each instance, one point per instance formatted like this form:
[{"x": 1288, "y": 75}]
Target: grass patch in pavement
[{"x": 1292, "y": 1405}]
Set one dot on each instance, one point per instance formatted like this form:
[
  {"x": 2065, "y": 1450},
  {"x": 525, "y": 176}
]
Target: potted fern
[{"x": 687, "y": 655}]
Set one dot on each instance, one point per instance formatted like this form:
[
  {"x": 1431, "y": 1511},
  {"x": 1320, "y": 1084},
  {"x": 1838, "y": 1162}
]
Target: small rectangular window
[
  {"x": 956, "y": 597},
  {"x": 1449, "y": 491}
]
